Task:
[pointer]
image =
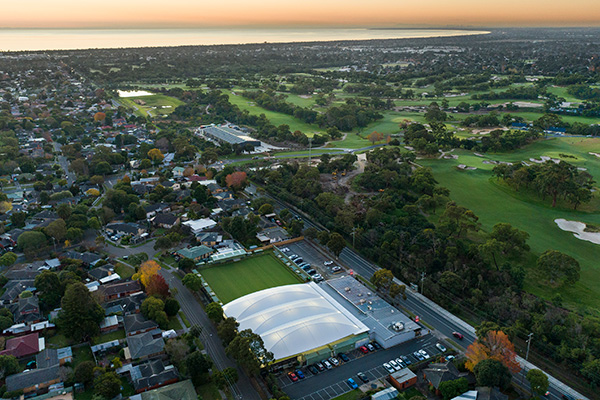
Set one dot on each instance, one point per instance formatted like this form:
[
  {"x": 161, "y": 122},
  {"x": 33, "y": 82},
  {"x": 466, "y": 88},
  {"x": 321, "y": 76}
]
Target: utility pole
[
  {"x": 309, "y": 149},
  {"x": 530, "y": 336},
  {"x": 353, "y": 237},
  {"x": 422, "y": 281}
]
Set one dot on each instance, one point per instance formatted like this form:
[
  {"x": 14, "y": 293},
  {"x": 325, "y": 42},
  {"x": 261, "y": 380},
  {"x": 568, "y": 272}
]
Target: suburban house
[
  {"x": 32, "y": 381},
  {"x": 153, "y": 209},
  {"x": 166, "y": 220},
  {"x": 437, "y": 373},
  {"x": 196, "y": 253},
  {"x": 144, "y": 346},
  {"x": 14, "y": 288},
  {"x": 178, "y": 172},
  {"x": 101, "y": 272},
  {"x": 24, "y": 346},
  {"x": 128, "y": 305},
  {"x": 209, "y": 239},
  {"x": 125, "y": 228},
  {"x": 198, "y": 225},
  {"x": 136, "y": 324},
  {"x": 386, "y": 394},
  {"x": 26, "y": 310},
  {"x": 180, "y": 391},
  {"x": 109, "y": 324},
  {"x": 118, "y": 290},
  {"x": 153, "y": 374}
]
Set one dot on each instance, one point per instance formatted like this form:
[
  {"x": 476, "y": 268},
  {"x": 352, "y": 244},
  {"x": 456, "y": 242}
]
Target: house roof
[
  {"x": 177, "y": 391},
  {"x": 14, "y": 288},
  {"x": 168, "y": 219},
  {"x": 127, "y": 305},
  {"x": 195, "y": 252},
  {"x": 153, "y": 373},
  {"x": 121, "y": 288},
  {"x": 441, "y": 372},
  {"x": 109, "y": 321},
  {"x": 26, "y": 310},
  {"x": 137, "y": 322},
  {"x": 22, "y": 346},
  {"x": 489, "y": 393},
  {"x": 47, "y": 358},
  {"x": 31, "y": 378},
  {"x": 144, "y": 345},
  {"x": 126, "y": 227},
  {"x": 99, "y": 273}
]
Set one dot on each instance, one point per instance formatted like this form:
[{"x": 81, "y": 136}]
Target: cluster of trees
[
  {"x": 558, "y": 181},
  {"x": 518, "y": 92}
]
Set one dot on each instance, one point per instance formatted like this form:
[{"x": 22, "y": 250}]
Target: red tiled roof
[{"x": 22, "y": 346}]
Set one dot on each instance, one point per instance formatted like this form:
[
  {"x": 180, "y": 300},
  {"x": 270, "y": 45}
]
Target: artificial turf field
[{"x": 233, "y": 280}]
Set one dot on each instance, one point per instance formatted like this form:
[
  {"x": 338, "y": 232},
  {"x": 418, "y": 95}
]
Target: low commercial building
[
  {"x": 403, "y": 379},
  {"x": 196, "y": 253},
  {"x": 199, "y": 225},
  {"x": 224, "y": 134},
  {"x": 298, "y": 322}
]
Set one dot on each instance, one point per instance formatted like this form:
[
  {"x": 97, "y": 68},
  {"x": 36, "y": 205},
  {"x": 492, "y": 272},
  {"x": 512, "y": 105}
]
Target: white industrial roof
[{"x": 294, "y": 319}]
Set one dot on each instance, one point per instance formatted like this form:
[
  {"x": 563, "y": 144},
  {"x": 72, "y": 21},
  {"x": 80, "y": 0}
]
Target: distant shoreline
[{"x": 34, "y": 40}]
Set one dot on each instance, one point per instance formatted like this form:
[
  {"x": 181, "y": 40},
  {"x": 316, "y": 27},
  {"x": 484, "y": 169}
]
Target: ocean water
[{"x": 69, "y": 39}]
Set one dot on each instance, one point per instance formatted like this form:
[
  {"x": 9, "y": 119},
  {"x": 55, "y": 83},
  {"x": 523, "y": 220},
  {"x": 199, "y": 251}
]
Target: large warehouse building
[
  {"x": 299, "y": 322},
  {"x": 224, "y": 134}
]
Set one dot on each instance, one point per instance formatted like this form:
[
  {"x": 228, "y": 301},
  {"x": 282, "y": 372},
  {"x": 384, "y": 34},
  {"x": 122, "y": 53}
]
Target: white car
[
  {"x": 388, "y": 368},
  {"x": 440, "y": 347},
  {"x": 327, "y": 263},
  {"x": 394, "y": 365},
  {"x": 424, "y": 354}
]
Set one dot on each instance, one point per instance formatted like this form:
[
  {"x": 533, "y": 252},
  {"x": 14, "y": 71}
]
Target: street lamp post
[{"x": 529, "y": 337}]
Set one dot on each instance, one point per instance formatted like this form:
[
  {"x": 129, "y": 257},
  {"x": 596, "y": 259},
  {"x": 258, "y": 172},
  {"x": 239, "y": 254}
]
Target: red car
[
  {"x": 458, "y": 335},
  {"x": 364, "y": 349},
  {"x": 293, "y": 376}
]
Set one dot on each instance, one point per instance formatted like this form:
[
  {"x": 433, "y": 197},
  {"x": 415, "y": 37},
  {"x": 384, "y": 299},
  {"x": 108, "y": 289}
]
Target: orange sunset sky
[{"x": 389, "y": 13}]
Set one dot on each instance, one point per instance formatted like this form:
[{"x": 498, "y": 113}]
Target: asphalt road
[{"x": 195, "y": 314}]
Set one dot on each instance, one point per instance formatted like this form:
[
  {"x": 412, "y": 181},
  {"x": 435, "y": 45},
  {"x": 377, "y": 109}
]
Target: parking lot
[
  {"x": 315, "y": 258},
  {"x": 332, "y": 383}
]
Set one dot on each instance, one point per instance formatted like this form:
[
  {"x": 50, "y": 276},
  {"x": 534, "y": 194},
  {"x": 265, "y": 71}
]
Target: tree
[
  {"x": 171, "y": 307},
  {"x": 492, "y": 372},
  {"x": 458, "y": 220},
  {"x": 99, "y": 116},
  {"x": 538, "y": 381},
  {"x": 249, "y": 351},
  {"x": 494, "y": 345},
  {"x": 8, "y": 366},
  {"x": 108, "y": 385},
  {"x": 451, "y": 389},
  {"x": 225, "y": 377},
  {"x": 146, "y": 271},
  {"x": 18, "y": 219},
  {"x": 102, "y": 168},
  {"x": 266, "y": 209},
  {"x": 74, "y": 234},
  {"x": 57, "y": 229},
  {"x": 198, "y": 366},
  {"x": 50, "y": 289},
  {"x": 157, "y": 286},
  {"x": 192, "y": 282},
  {"x": 154, "y": 309},
  {"x": 557, "y": 267},
  {"x": 8, "y": 259},
  {"x": 31, "y": 240},
  {"x": 336, "y": 243},
  {"x": 375, "y": 137},
  {"x": 382, "y": 279},
  {"x": 186, "y": 264},
  {"x": 236, "y": 180},
  {"x": 163, "y": 243},
  {"x": 155, "y": 155},
  {"x": 227, "y": 330},
  {"x": 6, "y": 319},
  {"x": 81, "y": 314},
  {"x": 145, "y": 164},
  {"x": 214, "y": 312},
  {"x": 84, "y": 372}
]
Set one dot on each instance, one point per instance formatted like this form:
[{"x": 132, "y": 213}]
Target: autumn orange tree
[
  {"x": 494, "y": 345},
  {"x": 99, "y": 116},
  {"x": 156, "y": 155},
  {"x": 147, "y": 270},
  {"x": 375, "y": 137},
  {"x": 236, "y": 180}
]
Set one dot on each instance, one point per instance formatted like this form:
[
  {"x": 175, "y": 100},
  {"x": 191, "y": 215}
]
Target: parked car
[
  {"x": 334, "y": 361},
  {"x": 376, "y": 345},
  {"x": 299, "y": 260},
  {"x": 388, "y": 368},
  {"x": 327, "y": 263},
  {"x": 458, "y": 335},
  {"x": 424, "y": 353},
  {"x": 406, "y": 360},
  {"x": 293, "y": 257},
  {"x": 336, "y": 269},
  {"x": 299, "y": 374},
  {"x": 352, "y": 384},
  {"x": 311, "y": 272},
  {"x": 400, "y": 362},
  {"x": 318, "y": 278},
  {"x": 449, "y": 357},
  {"x": 418, "y": 356},
  {"x": 370, "y": 347},
  {"x": 363, "y": 377},
  {"x": 394, "y": 365},
  {"x": 441, "y": 347},
  {"x": 363, "y": 349},
  {"x": 313, "y": 370},
  {"x": 327, "y": 364},
  {"x": 320, "y": 366},
  {"x": 343, "y": 357},
  {"x": 306, "y": 267},
  {"x": 292, "y": 377}
]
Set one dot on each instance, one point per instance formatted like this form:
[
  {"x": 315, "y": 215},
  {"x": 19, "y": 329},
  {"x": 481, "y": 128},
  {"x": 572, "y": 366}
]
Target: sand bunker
[
  {"x": 466, "y": 168},
  {"x": 543, "y": 159},
  {"x": 595, "y": 154},
  {"x": 578, "y": 230}
]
